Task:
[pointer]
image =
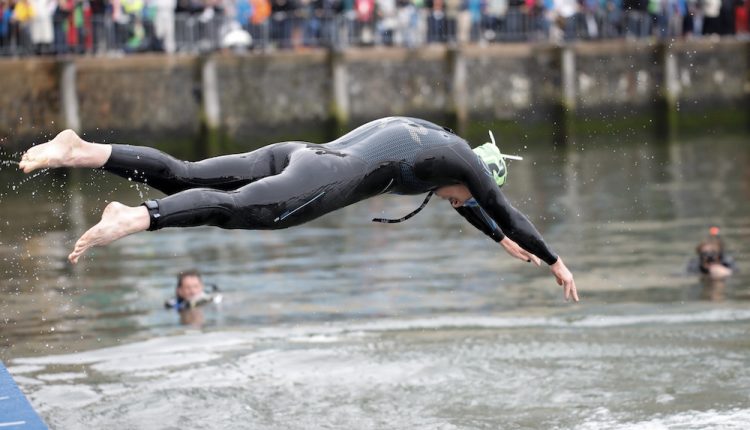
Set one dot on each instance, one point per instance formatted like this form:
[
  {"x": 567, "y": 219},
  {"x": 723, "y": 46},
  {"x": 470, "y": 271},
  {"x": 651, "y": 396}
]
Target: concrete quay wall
[{"x": 238, "y": 96}]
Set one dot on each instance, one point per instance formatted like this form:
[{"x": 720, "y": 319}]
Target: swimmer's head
[
  {"x": 711, "y": 250},
  {"x": 490, "y": 154},
  {"x": 189, "y": 285}
]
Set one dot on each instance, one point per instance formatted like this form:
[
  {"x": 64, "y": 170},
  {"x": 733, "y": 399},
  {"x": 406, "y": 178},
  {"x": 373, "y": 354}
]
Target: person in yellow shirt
[{"x": 23, "y": 12}]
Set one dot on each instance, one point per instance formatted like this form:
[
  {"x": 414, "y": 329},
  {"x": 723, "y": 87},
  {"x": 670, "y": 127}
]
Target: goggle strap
[{"x": 405, "y": 217}]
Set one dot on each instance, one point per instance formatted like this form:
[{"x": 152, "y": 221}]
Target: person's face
[
  {"x": 190, "y": 288},
  {"x": 456, "y": 194},
  {"x": 709, "y": 254}
]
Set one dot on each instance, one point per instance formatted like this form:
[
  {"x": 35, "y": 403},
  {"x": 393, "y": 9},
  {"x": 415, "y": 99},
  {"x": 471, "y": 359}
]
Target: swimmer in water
[
  {"x": 191, "y": 292},
  {"x": 711, "y": 261},
  {"x": 289, "y": 183}
]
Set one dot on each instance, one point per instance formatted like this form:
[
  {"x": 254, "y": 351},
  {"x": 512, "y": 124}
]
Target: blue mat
[{"x": 16, "y": 412}]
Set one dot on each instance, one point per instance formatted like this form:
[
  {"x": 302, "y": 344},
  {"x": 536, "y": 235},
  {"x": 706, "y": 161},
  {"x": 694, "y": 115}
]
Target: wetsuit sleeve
[
  {"x": 476, "y": 218},
  {"x": 457, "y": 163}
]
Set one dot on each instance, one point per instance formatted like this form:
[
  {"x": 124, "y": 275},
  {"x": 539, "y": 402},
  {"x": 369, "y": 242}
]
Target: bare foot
[
  {"x": 117, "y": 221},
  {"x": 65, "y": 150}
]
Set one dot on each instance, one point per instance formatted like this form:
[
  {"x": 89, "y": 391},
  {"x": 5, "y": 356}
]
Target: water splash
[{"x": 9, "y": 163}]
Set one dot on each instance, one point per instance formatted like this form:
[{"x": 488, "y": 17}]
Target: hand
[
  {"x": 515, "y": 250},
  {"x": 719, "y": 271},
  {"x": 564, "y": 278}
]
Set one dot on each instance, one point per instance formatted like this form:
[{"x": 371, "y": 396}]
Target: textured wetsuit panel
[{"x": 397, "y": 141}]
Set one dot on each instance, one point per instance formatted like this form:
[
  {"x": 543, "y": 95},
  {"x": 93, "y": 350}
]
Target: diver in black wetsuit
[{"x": 287, "y": 184}]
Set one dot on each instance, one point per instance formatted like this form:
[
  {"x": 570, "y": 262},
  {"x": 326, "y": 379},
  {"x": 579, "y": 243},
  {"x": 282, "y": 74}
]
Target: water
[{"x": 343, "y": 323}]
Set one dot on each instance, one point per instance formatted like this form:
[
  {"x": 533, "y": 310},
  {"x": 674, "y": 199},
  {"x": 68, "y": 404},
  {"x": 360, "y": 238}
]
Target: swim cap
[{"x": 490, "y": 154}]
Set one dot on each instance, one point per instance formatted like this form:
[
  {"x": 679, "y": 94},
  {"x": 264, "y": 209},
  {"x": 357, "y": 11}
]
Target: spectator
[
  {"x": 473, "y": 14},
  {"x": 711, "y": 22},
  {"x": 365, "y": 10},
  {"x": 537, "y": 19},
  {"x": 282, "y": 14},
  {"x": 676, "y": 17},
  {"x": 164, "y": 24},
  {"x": 408, "y": 33},
  {"x": 41, "y": 26},
  {"x": 133, "y": 12},
  {"x": 515, "y": 20},
  {"x": 567, "y": 14},
  {"x": 727, "y": 17},
  {"x": 742, "y": 17},
  {"x": 243, "y": 14},
  {"x": 22, "y": 15},
  {"x": 711, "y": 260},
  {"x": 191, "y": 292},
  {"x": 63, "y": 10},
  {"x": 636, "y": 18},
  {"x": 435, "y": 21},
  {"x": 260, "y": 29},
  {"x": 453, "y": 10},
  {"x": 611, "y": 17},
  {"x": 494, "y": 19},
  {"x": 693, "y": 24},
  {"x": 190, "y": 295},
  {"x": 387, "y": 20},
  {"x": 99, "y": 24},
  {"x": 6, "y": 14}
]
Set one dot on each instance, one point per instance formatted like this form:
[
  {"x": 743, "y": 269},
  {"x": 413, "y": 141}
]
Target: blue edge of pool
[{"x": 16, "y": 412}]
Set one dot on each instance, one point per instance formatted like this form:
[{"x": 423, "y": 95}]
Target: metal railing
[{"x": 410, "y": 27}]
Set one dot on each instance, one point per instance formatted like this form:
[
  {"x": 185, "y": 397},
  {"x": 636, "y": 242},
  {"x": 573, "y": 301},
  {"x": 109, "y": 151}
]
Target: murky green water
[{"x": 343, "y": 323}]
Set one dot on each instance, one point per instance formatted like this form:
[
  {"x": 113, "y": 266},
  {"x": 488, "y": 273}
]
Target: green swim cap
[{"x": 490, "y": 154}]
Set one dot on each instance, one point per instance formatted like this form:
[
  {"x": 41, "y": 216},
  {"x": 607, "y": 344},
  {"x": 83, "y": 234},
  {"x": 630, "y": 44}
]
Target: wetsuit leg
[
  {"x": 170, "y": 175},
  {"x": 315, "y": 182}
]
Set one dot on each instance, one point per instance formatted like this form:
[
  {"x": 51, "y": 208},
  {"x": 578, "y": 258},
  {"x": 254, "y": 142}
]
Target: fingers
[
  {"x": 524, "y": 255},
  {"x": 570, "y": 290}
]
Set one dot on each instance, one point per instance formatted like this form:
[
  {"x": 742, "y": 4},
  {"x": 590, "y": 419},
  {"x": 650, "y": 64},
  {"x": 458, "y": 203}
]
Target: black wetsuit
[{"x": 289, "y": 183}]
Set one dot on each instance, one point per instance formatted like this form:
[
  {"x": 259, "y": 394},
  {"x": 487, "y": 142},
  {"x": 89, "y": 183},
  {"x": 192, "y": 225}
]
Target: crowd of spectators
[{"x": 46, "y": 27}]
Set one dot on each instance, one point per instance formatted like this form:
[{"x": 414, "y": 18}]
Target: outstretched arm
[
  {"x": 458, "y": 163},
  {"x": 476, "y": 216}
]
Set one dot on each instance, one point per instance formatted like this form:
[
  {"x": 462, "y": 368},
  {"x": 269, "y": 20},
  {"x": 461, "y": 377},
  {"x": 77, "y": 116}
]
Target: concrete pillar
[
  {"x": 667, "y": 92},
  {"x": 340, "y": 110},
  {"x": 459, "y": 88},
  {"x": 69, "y": 96},
  {"x": 568, "y": 64},
  {"x": 212, "y": 138},
  {"x": 564, "y": 107},
  {"x": 210, "y": 91}
]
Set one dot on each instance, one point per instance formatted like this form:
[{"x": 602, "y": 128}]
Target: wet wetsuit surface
[{"x": 289, "y": 183}]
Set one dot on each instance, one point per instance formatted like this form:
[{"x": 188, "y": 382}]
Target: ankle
[
  {"x": 86, "y": 154},
  {"x": 140, "y": 218}
]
